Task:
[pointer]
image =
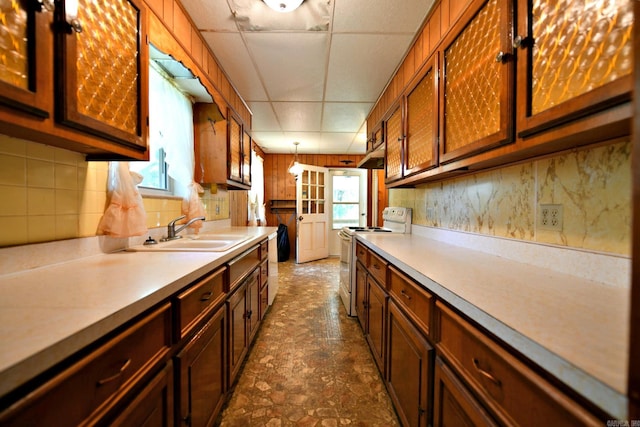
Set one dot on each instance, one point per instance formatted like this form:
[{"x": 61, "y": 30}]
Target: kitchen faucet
[{"x": 172, "y": 232}]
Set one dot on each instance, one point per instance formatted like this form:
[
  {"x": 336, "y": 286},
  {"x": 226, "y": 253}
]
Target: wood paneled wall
[{"x": 279, "y": 184}]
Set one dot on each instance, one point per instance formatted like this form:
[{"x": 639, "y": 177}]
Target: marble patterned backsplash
[{"x": 593, "y": 186}]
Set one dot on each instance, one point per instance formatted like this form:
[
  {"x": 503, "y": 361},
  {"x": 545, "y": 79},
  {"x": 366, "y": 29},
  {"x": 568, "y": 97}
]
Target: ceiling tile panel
[
  {"x": 210, "y": 14},
  {"x": 232, "y": 55},
  {"x": 344, "y": 117},
  {"x": 295, "y": 116},
  {"x": 362, "y": 64},
  {"x": 292, "y": 66},
  {"x": 264, "y": 118},
  {"x": 380, "y": 16}
]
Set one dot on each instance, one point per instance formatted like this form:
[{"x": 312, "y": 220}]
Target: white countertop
[
  {"x": 574, "y": 328},
  {"x": 51, "y": 312}
]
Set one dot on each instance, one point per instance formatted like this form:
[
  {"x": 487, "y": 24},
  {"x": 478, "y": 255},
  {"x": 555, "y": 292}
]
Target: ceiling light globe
[{"x": 283, "y": 6}]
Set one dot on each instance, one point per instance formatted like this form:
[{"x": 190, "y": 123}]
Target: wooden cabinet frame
[
  {"x": 601, "y": 98},
  {"x": 507, "y": 76},
  {"x": 67, "y": 111}
]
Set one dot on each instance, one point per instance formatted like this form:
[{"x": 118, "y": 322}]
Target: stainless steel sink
[{"x": 202, "y": 243}]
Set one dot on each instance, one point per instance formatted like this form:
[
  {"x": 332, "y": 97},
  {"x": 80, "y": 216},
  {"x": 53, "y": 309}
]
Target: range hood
[{"x": 373, "y": 160}]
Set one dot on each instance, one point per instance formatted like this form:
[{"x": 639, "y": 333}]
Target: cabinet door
[
  {"x": 409, "y": 370},
  {"x": 25, "y": 57},
  {"x": 201, "y": 374},
  {"x": 582, "y": 66},
  {"x": 477, "y": 85},
  {"x": 103, "y": 71},
  {"x": 246, "y": 159},
  {"x": 153, "y": 406},
  {"x": 421, "y": 145},
  {"x": 377, "y": 307},
  {"x": 394, "y": 147},
  {"x": 237, "y": 331},
  {"x": 253, "y": 305},
  {"x": 361, "y": 295},
  {"x": 210, "y": 144},
  {"x": 234, "y": 147},
  {"x": 454, "y": 405}
]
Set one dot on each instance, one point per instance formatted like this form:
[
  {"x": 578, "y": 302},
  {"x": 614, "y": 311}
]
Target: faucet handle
[{"x": 173, "y": 221}]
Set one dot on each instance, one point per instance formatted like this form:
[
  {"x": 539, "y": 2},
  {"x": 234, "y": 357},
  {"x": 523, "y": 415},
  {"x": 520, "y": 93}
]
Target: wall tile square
[
  {"x": 14, "y": 201},
  {"x": 68, "y": 157},
  {"x": 41, "y": 228},
  {"x": 40, "y": 174},
  {"x": 40, "y": 151},
  {"x": 16, "y": 147},
  {"x": 66, "y": 226},
  {"x": 13, "y": 170},
  {"x": 88, "y": 224},
  {"x": 41, "y": 201},
  {"x": 66, "y": 177},
  {"x": 14, "y": 230},
  {"x": 67, "y": 202}
]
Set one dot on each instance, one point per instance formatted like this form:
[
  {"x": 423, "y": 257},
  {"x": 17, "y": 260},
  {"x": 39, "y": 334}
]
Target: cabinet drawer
[
  {"x": 264, "y": 250},
  {"x": 417, "y": 302},
  {"x": 361, "y": 253},
  {"x": 193, "y": 304},
  {"x": 264, "y": 273},
  {"x": 511, "y": 390},
  {"x": 243, "y": 265},
  {"x": 377, "y": 267},
  {"x": 89, "y": 389}
]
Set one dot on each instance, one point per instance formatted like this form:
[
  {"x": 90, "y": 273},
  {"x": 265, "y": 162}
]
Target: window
[
  {"x": 154, "y": 172},
  {"x": 346, "y": 201}
]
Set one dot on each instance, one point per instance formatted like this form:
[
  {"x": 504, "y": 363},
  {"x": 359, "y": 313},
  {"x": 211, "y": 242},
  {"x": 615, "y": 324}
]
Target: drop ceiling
[{"x": 312, "y": 75}]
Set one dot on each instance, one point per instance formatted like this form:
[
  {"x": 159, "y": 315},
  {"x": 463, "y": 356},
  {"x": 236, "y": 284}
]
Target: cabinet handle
[
  {"x": 404, "y": 294},
  {"x": 376, "y": 266},
  {"x": 484, "y": 373},
  {"x": 116, "y": 375},
  {"x": 502, "y": 57},
  {"x": 206, "y": 296},
  {"x": 48, "y": 5},
  {"x": 520, "y": 41}
]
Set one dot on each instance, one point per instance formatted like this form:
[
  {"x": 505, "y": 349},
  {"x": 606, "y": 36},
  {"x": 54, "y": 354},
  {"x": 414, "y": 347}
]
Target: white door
[{"x": 312, "y": 237}]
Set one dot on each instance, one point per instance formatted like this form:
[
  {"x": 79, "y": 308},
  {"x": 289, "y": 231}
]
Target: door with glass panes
[{"x": 312, "y": 239}]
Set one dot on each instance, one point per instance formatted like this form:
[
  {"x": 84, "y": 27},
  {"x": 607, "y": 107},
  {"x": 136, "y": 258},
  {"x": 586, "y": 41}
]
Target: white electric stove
[{"x": 395, "y": 220}]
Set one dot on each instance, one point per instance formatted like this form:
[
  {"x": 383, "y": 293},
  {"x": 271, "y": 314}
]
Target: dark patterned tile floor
[{"x": 310, "y": 364}]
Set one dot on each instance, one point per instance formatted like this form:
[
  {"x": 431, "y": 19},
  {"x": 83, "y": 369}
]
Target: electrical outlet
[
  {"x": 550, "y": 217},
  {"x": 430, "y": 214},
  {"x": 217, "y": 209}
]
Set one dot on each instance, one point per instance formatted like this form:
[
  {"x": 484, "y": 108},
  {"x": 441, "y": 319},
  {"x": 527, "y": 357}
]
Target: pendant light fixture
[
  {"x": 294, "y": 168},
  {"x": 283, "y": 6}
]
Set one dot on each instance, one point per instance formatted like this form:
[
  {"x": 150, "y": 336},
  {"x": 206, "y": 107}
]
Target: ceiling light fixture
[
  {"x": 283, "y": 6},
  {"x": 294, "y": 168}
]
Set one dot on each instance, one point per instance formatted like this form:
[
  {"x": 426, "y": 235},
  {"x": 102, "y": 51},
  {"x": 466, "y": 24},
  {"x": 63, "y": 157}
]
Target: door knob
[{"x": 300, "y": 218}]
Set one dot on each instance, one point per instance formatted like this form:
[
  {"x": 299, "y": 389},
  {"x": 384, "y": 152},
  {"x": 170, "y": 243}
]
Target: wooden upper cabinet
[
  {"x": 477, "y": 83},
  {"x": 583, "y": 66},
  {"x": 25, "y": 58},
  {"x": 234, "y": 146},
  {"x": 421, "y": 143},
  {"x": 246, "y": 159},
  {"x": 394, "y": 147},
  {"x": 103, "y": 71}
]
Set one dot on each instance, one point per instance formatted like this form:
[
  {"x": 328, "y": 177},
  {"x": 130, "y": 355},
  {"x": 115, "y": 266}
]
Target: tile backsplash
[
  {"x": 48, "y": 193},
  {"x": 593, "y": 185}
]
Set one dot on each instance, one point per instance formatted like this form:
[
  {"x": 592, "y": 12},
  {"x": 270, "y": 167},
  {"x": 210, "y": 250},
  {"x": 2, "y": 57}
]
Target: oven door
[{"x": 346, "y": 255}]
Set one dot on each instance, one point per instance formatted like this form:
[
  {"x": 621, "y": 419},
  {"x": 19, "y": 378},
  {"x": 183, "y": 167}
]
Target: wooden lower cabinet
[
  {"x": 243, "y": 313},
  {"x": 453, "y": 404},
  {"x": 201, "y": 374},
  {"x": 361, "y": 295},
  {"x": 94, "y": 387},
  {"x": 377, "y": 319},
  {"x": 409, "y": 369},
  {"x": 153, "y": 406}
]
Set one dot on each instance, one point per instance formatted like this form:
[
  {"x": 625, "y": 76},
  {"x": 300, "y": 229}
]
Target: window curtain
[
  {"x": 125, "y": 215},
  {"x": 256, "y": 194},
  {"x": 171, "y": 116}
]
